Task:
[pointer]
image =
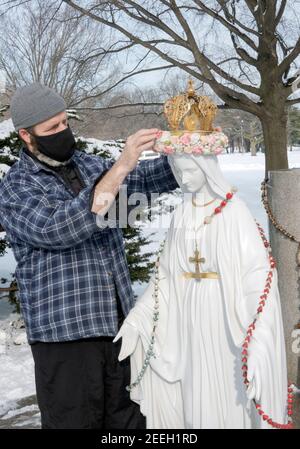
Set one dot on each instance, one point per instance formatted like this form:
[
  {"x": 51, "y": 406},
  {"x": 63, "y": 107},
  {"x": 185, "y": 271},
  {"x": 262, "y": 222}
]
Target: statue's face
[{"x": 188, "y": 174}]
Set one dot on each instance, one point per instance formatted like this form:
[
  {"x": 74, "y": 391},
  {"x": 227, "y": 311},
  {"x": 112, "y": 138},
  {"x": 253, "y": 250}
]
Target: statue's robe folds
[{"x": 196, "y": 380}]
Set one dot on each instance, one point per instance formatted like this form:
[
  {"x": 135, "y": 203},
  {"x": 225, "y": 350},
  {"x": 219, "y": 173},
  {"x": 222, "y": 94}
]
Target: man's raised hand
[{"x": 142, "y": 140}]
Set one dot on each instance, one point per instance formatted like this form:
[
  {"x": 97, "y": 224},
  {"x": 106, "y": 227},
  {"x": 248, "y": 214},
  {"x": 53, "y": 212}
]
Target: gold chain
[{"x": 202, "y": 205}]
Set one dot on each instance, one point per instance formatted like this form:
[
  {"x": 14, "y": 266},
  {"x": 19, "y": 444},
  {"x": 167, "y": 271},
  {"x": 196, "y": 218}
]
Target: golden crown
[{"x": 197, "y": 112}]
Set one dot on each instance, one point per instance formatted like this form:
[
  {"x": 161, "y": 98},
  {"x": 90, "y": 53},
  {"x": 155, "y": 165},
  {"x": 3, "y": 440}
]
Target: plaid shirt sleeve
[
  {"x": 42, "y": 220},
  {"x": 148, "y": 176},
  {"x": 151, "y": 176}
]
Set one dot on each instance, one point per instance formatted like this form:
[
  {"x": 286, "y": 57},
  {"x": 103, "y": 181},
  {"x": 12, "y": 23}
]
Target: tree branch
[
  {"x": 130, "y": 75},
  {"x": 204, "y": 61},
  {"x": 294, "y": 101},
  {"x": 242, "y": 52},
  {"x": 130, "y": 105},
  {"x": 285, "y": 64},
  {"x": 117, "y": 106},
  {"x": 227, "y": 24},
  {"x": 13, "y": 6},
  {"x": 152, "y": 21},
  {"x": 232, "y": 18},
  {"x": 234, "y": 98},
  {"x": 280, "y": 12}
]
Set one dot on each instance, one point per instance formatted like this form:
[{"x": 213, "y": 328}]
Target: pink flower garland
[{"x": 191, "y": 142}]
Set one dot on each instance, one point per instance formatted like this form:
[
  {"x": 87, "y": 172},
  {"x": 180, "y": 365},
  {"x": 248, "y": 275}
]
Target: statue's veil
[{"x": 210, "y": 166}]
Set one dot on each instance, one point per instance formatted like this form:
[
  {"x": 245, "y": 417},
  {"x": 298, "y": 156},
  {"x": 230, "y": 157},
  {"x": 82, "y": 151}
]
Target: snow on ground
[
  {"x": 17, "y": 369},
  {"x": 16, "y": 365},
  {"x": 6, "y": 127},
  {"x": 247, "y": 172},
  {"x": 3, "y": 170}
]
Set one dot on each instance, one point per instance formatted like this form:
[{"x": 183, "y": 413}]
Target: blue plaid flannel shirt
[{"x": 68, "y": 269}]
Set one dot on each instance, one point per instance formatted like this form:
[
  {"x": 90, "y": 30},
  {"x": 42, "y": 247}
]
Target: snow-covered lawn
[
  {"x": 6, "y": 127},
  {"x": 16, "y": 373}
]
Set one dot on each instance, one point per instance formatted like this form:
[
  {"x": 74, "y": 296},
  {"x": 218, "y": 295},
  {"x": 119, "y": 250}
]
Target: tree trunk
[
  {"x": 274, "y": 126},
  {"x": 253, "y": 148}
]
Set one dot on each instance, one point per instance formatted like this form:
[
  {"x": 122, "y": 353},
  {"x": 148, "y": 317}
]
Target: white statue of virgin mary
[{"x": 207, "y": 287}]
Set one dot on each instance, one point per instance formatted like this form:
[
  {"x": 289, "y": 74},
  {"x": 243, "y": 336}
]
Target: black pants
[{"x": 81, "y": 385}]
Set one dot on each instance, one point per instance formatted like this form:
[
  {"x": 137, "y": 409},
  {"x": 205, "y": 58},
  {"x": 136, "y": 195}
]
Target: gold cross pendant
[{"x": 198, "y": 274}]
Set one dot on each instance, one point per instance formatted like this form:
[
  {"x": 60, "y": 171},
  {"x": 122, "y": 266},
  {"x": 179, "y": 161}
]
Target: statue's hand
[
  {"x": 130, "y": 337},
  {"x": 254, "y": 387}
]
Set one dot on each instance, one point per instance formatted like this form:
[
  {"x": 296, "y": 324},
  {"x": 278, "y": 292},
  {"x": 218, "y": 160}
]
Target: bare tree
[
  {"x": 253, "y": 133},
  {"x": 294, "y": 127},
  {"x": 247, "y": 128},
  {"x": 74, "y": 56},
  {"x": 245, "y": 51}
]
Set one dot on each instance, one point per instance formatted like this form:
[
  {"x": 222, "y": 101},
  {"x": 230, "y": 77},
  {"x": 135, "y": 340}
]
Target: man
[{"x": 74, "y": 284}]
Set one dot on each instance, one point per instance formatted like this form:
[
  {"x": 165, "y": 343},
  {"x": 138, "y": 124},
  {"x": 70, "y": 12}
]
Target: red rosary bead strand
[
  {"x": 262, "y": 303},
  {"x": 251, "y": 328},
  {"x": 223, "y": 203}
]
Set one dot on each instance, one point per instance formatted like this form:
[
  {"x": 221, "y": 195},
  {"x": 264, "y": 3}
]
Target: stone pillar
[{"x": 284, "y": 197}]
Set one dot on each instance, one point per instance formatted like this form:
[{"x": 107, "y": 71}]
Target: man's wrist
[
  {"x": 117, "y": 173},
  {"x": 123, "y": 167},
  {"x": 91, "y": 202}
]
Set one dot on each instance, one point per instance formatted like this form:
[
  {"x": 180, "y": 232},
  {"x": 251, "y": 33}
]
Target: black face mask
[{"x": 59, "y": 146}]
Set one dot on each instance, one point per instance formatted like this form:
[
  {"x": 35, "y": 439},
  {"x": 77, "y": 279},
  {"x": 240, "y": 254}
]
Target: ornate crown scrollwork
[{"x": 195, "y": 112}]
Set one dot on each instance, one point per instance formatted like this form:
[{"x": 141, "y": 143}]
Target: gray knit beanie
[{"x": 33, "y": 104}]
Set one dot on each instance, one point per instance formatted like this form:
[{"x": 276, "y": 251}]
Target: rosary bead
[{"x": 207, "y": 220}]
